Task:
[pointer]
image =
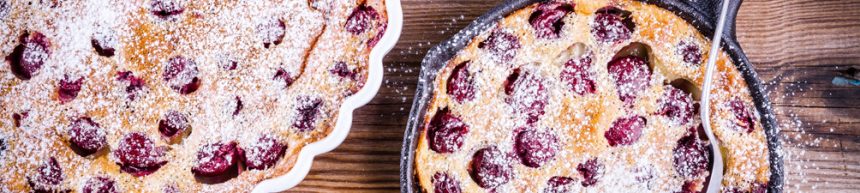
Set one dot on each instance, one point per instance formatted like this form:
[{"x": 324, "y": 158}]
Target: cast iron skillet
[{"x": 701, "y": 13}]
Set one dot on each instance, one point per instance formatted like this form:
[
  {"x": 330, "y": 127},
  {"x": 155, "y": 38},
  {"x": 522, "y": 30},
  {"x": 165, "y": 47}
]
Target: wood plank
[{"x": 797, "y": 47}]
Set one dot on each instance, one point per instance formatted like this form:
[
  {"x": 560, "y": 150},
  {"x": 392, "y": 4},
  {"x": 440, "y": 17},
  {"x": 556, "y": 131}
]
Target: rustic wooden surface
[{"x": 797, "y": 47}]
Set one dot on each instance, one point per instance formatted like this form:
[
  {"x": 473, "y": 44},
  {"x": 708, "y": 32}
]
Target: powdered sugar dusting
[
  {"x": 634, "y": 95},
  {"x": 139, "y": 60}
]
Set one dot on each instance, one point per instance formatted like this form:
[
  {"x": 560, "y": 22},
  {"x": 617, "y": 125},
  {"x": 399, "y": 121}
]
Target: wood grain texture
[{"x": 797, "y": 47}]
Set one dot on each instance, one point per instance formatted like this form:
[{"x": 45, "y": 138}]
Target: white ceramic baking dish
[{"x": 344, "y": 121}]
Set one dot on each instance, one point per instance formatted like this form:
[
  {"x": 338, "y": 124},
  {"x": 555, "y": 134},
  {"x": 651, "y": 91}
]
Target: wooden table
[{"x": 797, "y": 47}]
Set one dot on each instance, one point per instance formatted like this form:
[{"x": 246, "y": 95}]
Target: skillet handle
[{"x": 711, "y": 10}]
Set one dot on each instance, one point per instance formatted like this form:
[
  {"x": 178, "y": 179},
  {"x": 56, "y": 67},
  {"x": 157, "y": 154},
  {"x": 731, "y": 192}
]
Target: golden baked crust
[
  {"x": 243, "y": 91},
  {"x": 581, "y": 122}
]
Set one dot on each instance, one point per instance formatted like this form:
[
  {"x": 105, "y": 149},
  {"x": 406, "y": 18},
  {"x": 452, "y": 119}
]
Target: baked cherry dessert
[
  {"x": 587, "y": 96},
  {"x": 173, "y": 95}
]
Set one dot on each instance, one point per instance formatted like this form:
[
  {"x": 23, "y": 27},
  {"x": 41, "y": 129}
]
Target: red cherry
[
  {"x": 138, "y": 155},
  {"x": 491, "y": 168},
  {"x": 743, "y": 116},
  {"x": 461, "y": 84},
  {"x": 342, "y": 70},
  {"x": 535, "y": 148},
  {"x": 690, "y": 156},
  {"x": 165, "y": 9},
  {"x": 239, "y": 106},
  {"x": 527, "y": 94},
  {"x": 104, "y": 43},
  {"x": 17, "y": 117},
  {"x": 577, "y": 76},
  {"x": 612, "y": 25},
  {"x": 625, "y": 130},
  {"x": 677, "y": 105},
  {"x": 690, "y": 52},
  {"x": 272, "y": 32},
  {"x": 631, "y": 75},
  {"x": 591, "y": 172},
  {"x": 444, "y": 183},
  {"x": 547, "y": 18},
  {"x": 307, "y": 113},
  {"x": 375, "y": 39},
  {"x": 48, "y": 177},
  {"x": 286, "y": 77},
  {"x": 68, "y": 89},
  {"x": 29, "y": 56},
  {"x": 446, "y": 132},
  {"x": 86, "y": 137},
  {"x": 360, "y": 19},
  {"x": 100, "y": 185},
  {"x": 501, "y": 44},
  {"x": 559, "y": 184},
  {"x": 173, "y": 123},
  {"x": 135, "y": 84},
  {"x": 181, "y": 75},
  {"x": 264, "y": 154},
  {"x": 216, "y": 159}
]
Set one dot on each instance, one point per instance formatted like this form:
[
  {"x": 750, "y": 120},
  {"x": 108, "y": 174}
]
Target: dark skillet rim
[{"x": 701, "y": 14}]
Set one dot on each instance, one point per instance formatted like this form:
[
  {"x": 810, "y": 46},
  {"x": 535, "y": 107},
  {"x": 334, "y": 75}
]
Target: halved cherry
[
  {"x": 446, "y": 132},
  {"x": 591, "y": 172},
  {"x": 547, "y": 18},
  {"x": 631, "y": 75},
  {"x": 625, "y": 130},
  {"x": 271, "y": 32},
  {"x": 216, "y": 159},
  {"x": 502, "y": 44},
  {"x": 361, "y": 19},
  {"x": 180, "y": 74},
  {"x": 165, "y": 9},
  {"x": 612, "y": 25},
  {"x": 173, "y": 123},
  {"x": 69, "y": 88},
  {"x": 491, "y": 167},
  {"x": 86, "y": 137},
  {"x": 559, "y": 184},
  {"x": 526, "y": 94},
  {"x": 307, "y": 112},
  {"x": 690, "y": 156},
  {"x": 677, "y": 105},
  {"x": 137, "y": 155},
  {"x": 460, "y": 84},
  {"x": 690, "y": 52},
  {"x": 264, "y": 154},
  {"x": 743, "y": 116},
  {"x": 444, "y": 183},
  {"x": 135, "y": 84},
  {"x": 535, "y": 148},
  {"x": 100, "y": 185},
  {"x": 28, "y": 57},
  {"x": 577, "y": 76},
  {"x": 48, "y": 177}
]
